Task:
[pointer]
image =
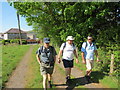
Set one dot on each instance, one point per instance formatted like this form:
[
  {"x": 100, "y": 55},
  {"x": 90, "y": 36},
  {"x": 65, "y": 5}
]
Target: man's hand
[
  {"x": 77, "y": 61},
  {"x": 83, "y": 58},
  {"x": 39, "y": 61},
  {"x": 83, "y": 61},
  {"x": 59, "y": 60},
  {"x": 98, "y": 60}
]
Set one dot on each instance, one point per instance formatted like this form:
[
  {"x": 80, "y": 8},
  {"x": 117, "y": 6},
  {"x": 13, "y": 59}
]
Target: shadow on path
[
  {"x": 100, "y": 74},
  {"x": 96, "y": 76},
  {"x": 72, "y": 83}
]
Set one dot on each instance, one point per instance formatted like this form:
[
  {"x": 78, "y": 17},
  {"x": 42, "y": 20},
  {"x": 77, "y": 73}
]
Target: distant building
[
  {"x": 13, "y": 33},
  {"x": 1, "y": 36},
  {"x": 31, "y": 35}
]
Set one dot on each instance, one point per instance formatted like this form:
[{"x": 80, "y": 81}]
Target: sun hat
[
  {"x": 70, "y": 38},
  {"x": 89, "y": 37},
  {"x": 46, "y": 40}
]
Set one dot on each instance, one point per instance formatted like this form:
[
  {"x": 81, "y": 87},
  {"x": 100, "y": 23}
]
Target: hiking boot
[
  {"x": 68, "y": 77},
  {"x": 49, "y": 84},
  {"x": 88, "y": 78}
]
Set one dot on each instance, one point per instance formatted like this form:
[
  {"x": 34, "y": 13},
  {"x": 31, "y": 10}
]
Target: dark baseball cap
[{"x": 46, "y": 40}]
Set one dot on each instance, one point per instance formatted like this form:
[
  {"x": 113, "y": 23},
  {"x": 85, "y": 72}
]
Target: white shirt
[{"x": 68, "y": 52}]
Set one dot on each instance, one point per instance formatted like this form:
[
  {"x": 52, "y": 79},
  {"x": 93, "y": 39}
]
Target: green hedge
[{"x": 17, "y": 41}]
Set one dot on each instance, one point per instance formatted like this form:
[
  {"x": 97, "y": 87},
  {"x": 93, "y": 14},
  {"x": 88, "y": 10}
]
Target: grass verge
[
  {"x": 11, "y": 56},
  {"x": 0, "y": 66},
  {"x": 98, "y": 76}
]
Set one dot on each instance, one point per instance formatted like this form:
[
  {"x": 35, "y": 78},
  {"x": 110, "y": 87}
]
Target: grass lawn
[
  {"x": 35, "y": 80},
  {"x": 11, "y": 56},
  {"x": 0, "y": 66},
  {"x": 98, "y": 76}
]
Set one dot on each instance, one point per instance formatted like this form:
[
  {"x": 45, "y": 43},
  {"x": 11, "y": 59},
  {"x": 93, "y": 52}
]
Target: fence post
[{"x": 111, "y": 64}]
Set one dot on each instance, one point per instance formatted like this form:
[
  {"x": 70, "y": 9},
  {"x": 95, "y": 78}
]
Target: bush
[
  {"x": 105, "y": 56},
  {"x": 11, "y": 41},
  {"x": 17, "y": 41},
  {"x": 24, "y": 41},
  {"x": 3, "y": 42}
]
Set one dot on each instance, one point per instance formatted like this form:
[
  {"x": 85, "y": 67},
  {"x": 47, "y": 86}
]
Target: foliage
[
  {"x": 57, "y": 20},
  {"x": 105, "y": 56},
  {"x": 16, "y": 41},
  {"x": 4, "y": 42},
  {"x": 24, "y": 41}
]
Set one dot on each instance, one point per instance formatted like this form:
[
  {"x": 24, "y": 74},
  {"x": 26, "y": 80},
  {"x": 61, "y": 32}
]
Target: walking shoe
[
  {"x": 49, "y": 84},
  {"x": 67, "y": 79}
]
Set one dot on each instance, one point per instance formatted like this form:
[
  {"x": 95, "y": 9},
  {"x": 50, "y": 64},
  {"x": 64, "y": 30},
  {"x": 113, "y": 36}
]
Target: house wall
[
  {"x": 34, "y": 37},
  {"x": 1, "y": 36},
  {"x": 16, "y": 36},
  {"x": 5, "y": 36},
  {"x": 31, "y": 36}
]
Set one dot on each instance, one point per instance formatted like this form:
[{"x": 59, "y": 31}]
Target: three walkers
[{"x": 46, "y": 57}]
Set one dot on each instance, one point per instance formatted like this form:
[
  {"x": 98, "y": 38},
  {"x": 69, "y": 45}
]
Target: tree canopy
[{"x": 57, "y": 20}]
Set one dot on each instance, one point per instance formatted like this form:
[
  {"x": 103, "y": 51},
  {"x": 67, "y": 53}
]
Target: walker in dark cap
[{"x": 46, "y": 40}]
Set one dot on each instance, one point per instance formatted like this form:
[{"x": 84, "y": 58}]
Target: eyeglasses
[{"x": 47, "y": 43}]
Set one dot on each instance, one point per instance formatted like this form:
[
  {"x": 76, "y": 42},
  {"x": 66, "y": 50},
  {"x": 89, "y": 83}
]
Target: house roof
[{"x": 14, "y": 30}]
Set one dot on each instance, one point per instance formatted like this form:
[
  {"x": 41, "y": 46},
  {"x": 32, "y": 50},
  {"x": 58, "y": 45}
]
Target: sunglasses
[{"x": 89, "y": 39}]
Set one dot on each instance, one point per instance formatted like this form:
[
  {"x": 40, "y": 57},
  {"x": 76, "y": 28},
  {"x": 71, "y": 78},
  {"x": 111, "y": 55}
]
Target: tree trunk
[{"x": 19, "y": 29}]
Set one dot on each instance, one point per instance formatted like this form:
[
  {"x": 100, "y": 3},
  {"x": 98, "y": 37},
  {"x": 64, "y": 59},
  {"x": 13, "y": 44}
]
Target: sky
[{"x": 8, "y": 18}]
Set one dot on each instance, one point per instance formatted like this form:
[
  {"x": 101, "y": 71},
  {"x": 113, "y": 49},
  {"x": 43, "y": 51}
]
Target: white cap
[
  {"x": 89, "y": 37},
  {"x": 70, "y": 38}
]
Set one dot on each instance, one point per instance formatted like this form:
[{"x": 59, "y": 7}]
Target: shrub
[
  {"x": 24, "y": 41},
  {"x": 3, "y": 42}
]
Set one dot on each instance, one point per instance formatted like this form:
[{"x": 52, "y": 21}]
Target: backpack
[
  {"x": 87, "y": 45},
  {"x": 65, "y": 46},
  {"x": 41, "y": 50}
]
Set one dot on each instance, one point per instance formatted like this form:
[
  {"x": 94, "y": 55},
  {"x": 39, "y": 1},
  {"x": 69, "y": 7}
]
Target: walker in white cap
[{"x": 70, "y": 38}]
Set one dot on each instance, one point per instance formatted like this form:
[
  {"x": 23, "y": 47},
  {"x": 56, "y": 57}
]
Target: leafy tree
[{"x": 57, "y": 20}]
